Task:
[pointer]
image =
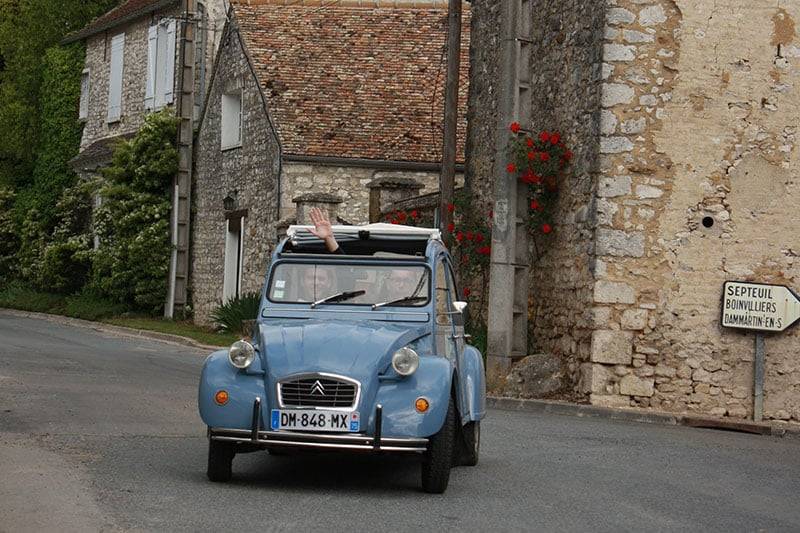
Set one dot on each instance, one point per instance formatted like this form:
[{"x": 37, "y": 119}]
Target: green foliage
[
  {"x": 132, "y": 263},
  {"x": 27, "y": 29},
  {"x": 16, "y": 295},
  {"x": 8, "y": 236},
  {"x": 230, "y": 317},
  {"x": 90, "y": 306}
]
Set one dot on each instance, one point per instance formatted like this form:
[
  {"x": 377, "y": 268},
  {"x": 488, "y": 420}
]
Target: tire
[
  {"x": 470, "y": 443},
  {"x": 439, "y": 457},
  {"x": 220, "y": 461}
]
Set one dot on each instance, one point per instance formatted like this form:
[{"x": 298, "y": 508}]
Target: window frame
[
  {"x": 225, "y": 142},
  {"x": 83, "y": 103}
]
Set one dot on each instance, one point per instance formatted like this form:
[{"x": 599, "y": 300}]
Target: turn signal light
[
  {"x": 221, "y": 397},
  {"x": 422, "y": 405}
]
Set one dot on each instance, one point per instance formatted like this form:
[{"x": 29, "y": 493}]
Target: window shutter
[
  {"x": 169, "y": 74},
  {"x": 83, "y": 111},
  {"x": 115, "y": 78},
  {"x": 152, "y": 60}
]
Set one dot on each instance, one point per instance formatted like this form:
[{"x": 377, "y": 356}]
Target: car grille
[{"x": 317, "y": 392}]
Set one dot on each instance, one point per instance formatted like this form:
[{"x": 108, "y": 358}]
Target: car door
[{"x": 444, "y": 317}]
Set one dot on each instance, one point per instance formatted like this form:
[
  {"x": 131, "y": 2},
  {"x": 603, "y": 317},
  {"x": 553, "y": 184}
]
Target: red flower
[
  {"x": 544, "y": 156},
  {"x": 469, "y": 235},
  {"x": 414, "y": 213},
  {"x": 394, "y": 221},
  {"x": 531, "y": 178},
  {"x": 568, "y": 155},
  {"x": 464, "y": 259},
  {"x": 485, "y": 250},
  {"x": 546, "y": 228},
  {"x": 531, "y": 156},
  {"x": 529, "y": 142},
  {"x": 451, "y": 227},
  {"x": 535, "y": 204},
  {"x": 511, "y": 167},
  {"x": 544, "y": 137},
  {"x": 459, "y": 236},
  {"x": 451, "y": 208},
  {"x": 555, "y": 138},
  {"x": 515, "y": 127},
  {"x": 466, "y": 292},
  {"x": 478, "y": 238}
]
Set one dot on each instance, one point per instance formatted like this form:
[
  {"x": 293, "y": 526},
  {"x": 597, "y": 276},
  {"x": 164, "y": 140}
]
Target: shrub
[
  {"x": 231, "y": 316},
  {"x": 132, "y": 223},
  {"x": 8, "y": 236}
]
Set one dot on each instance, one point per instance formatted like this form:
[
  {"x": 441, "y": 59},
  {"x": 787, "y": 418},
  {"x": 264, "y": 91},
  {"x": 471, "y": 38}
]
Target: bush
[
  {"x": 132, "y": 223},
  {"x": 230, "y": 317},
  {"x": 8, "y": 236}
]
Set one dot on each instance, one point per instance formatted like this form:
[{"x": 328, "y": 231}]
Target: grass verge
[
  {"x": 87, "y": 306},
  {"x": 184, "y": 329}
]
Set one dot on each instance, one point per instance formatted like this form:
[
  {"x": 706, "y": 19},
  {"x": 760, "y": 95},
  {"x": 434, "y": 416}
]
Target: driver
[
  {"x": 315, "y": 281},
  {"x": 400, "y": 283}
]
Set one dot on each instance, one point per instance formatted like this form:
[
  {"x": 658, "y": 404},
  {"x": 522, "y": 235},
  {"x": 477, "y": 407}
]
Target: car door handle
[{"x": 465, "y": 336}]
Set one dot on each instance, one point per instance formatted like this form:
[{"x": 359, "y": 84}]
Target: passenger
[{"x": 323, "y": 230}]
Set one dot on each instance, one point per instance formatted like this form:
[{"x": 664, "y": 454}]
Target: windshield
[{"x": 308, "y": 283}]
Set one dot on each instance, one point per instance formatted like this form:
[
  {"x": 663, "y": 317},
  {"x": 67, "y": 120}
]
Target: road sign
[{"x": 759, "y": 306}]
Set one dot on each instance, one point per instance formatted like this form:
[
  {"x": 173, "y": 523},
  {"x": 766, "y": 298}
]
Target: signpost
[{"x": 759, "y": 307}]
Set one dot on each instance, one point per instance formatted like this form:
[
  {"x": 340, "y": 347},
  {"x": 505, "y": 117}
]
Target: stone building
[
  {"x": 683, "y": 118},
  {"x": 130, "y": 70},
  {"x": 313, "y": 104}
]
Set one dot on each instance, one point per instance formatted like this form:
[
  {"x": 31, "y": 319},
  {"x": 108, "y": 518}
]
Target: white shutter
[
  {"x": 169, "y": 73},
  {"x": 83, "y": 110},
  {"x": 115, "y": 78},
  {"x": 152, "y": 59}
]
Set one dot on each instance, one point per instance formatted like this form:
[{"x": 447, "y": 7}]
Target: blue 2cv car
[{"x": 362, "y": 351}]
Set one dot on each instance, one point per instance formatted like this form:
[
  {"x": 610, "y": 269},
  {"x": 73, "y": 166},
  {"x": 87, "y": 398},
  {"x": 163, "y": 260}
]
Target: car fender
[
  {"x": 242, "y": 388},
  {"x": 472, "y": 381},
  {"x": 432, "y": 381}
]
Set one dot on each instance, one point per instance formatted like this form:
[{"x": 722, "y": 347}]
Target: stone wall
[
  {"x": 699, "y": 123},
  {"x": 348, "y": 183},
  {"x": 482, "y": 102},
  {"x": 251, "y": 171},
  {"x": 134, "y": 71},
  {"x": 565, "y": 64}
]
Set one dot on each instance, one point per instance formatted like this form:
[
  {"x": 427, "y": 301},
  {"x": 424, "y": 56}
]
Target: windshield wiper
[
  {"x": 338, "y": 297},
  {"x": 404, "y": 299}
]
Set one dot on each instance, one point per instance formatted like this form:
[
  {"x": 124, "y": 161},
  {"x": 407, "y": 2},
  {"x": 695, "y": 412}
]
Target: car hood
[{"x": 354, "y": 349}]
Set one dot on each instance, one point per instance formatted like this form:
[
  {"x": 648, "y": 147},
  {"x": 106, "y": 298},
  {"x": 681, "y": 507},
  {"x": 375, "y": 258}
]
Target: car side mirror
[{"x": 460, "y": 306}]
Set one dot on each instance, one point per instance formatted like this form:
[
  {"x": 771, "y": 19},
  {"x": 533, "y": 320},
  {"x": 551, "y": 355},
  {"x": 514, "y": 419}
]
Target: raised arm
[{"x": 323, "y": 229}]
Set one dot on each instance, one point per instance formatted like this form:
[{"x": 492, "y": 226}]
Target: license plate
[{"x": 302, "y": 419}]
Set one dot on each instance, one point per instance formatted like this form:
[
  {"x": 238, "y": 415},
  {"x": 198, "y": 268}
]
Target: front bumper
[{"x": 320, "y": 441}]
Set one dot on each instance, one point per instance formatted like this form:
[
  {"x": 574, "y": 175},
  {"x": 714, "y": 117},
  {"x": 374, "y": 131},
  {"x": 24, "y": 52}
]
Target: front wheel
[
  {"x": 470, "y": 443},
  {"x": 439, "y": 457},
  {"x": 220, "y": 460}
]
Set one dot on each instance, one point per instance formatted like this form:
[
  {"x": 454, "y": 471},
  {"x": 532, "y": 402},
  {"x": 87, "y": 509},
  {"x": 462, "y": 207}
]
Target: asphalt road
[{"x": 102, "y": 433}]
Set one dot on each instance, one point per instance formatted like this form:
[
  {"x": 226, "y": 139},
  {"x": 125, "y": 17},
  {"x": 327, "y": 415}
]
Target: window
[
  {"x": 115, "y": 78},
  {"x": 160, "y": 65},
  {"x": 83, "y": 109},
  {"x": 231, "y": 120}
]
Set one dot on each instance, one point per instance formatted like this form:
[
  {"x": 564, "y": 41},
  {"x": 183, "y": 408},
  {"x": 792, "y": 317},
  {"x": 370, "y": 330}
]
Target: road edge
[
  {"x": 641, "y": 416},
  {"x": 110, "y": 328}
]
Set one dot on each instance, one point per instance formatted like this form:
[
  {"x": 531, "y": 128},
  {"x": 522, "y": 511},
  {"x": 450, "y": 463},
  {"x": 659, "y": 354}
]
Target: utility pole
[
  {"x": 447, "y": 176},
  {"x": 182, "y": 184}
]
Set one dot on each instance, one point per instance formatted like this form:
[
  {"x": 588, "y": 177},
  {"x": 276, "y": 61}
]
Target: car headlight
[
  {"x": 241, "y": 354},
  {"x": 405, "y": 361}
]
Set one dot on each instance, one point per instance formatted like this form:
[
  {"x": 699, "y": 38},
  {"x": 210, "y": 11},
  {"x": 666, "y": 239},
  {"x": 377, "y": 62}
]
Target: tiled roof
[
  {"x": 128, "y": 10},
  {"x": 344, "y": 81}
]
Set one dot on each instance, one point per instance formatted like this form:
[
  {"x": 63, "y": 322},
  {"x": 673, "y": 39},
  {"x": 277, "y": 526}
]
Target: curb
[
  {"x": 110, "y": 328},
  {"x": 641, "y": 417}
]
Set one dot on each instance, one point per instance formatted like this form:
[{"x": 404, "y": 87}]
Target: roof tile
[{"x": 356, "y": 82}]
